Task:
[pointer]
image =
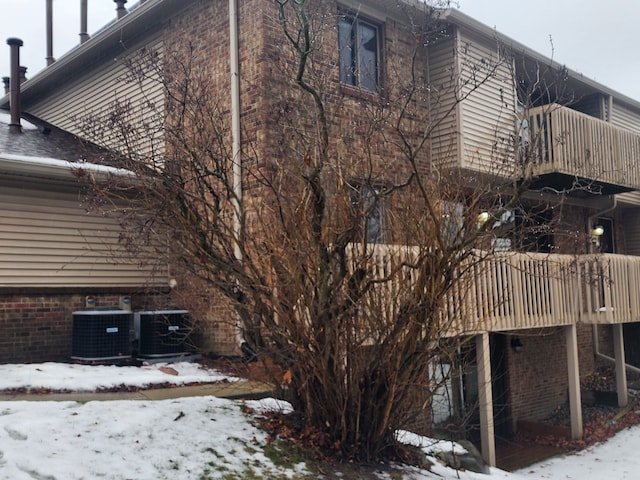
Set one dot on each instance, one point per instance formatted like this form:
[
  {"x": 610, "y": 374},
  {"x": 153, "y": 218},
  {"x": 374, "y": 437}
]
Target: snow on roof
[{"x": 55, "y": 167}]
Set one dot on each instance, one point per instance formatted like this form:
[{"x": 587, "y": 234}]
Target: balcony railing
[
  {"x": 511, "y": 291},
  {"x": 573, "y": 143}
]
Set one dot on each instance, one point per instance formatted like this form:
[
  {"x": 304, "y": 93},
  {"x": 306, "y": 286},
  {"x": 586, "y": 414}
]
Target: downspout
[
  {"x": 602, "y": 356},
  {"x": 596, "y": 342},
  {"x": 610, "y": 109},
  {"x": 236, "y": 151},
  {"x": 592, "y": 218},
  {"x": 235, "y": 124}
]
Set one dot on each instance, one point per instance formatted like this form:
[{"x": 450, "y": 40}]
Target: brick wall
[
  {"x": 538, "y": 376},
  {"x": 203, "y": 30},
  {"x": 586, "y": 352},
  {"x": 214, "y": 317},
  {"x": 570, "y": 230},
  {"x": 38, "y": 327}
]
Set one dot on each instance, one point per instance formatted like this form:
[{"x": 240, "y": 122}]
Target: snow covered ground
[
  {"x": 88, "y": 378},
  {"x": 196, "y": 438}
]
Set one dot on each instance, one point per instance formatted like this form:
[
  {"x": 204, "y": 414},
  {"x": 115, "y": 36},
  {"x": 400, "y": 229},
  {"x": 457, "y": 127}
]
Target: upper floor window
[{"x": 359, "y": 43}]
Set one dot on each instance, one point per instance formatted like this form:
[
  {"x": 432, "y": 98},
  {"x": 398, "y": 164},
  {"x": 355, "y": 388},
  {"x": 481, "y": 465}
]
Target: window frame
[{"x": 352, "y": 76}]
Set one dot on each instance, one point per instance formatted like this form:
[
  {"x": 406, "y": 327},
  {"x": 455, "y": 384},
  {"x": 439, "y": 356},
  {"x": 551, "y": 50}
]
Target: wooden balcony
[
  {"x": 512, "y": 291},
  {"x": 568, "y": 145}
]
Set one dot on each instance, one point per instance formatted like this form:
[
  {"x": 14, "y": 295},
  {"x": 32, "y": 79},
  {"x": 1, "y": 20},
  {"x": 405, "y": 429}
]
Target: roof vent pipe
[
  {"x": 49, "y": 57},
  {"x": 14, "y": 85},
  {"x": 84, "y": 36},
  {"x": 5, "y": 80},
  {"x": 23, "y": 74},
  {"x": 121, "y": 10}
]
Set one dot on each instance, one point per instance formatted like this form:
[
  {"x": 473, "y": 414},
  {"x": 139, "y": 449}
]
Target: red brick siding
[
  {"x": 570, "y": 230},
  {"x": 586, "y": 352},
  {"x": 204, "y": 27},
  {"x": 37, "y": 328},
  {"x": 605, "y": 342},
  {"x": 214, "y": 316},
  {"x": 538, "y": 376}
]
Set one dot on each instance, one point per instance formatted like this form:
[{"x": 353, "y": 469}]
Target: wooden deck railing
[
  {"x": 511, "y": 291},
  {"x": 571, "y": 142}
]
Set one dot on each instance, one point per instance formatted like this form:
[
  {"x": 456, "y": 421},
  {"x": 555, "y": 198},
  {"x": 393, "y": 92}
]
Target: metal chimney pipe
[
  {"x": 49, "y": 57},
  {"x": 121, "y": 10},
  {"x": 84, "y": 36},
  {"x": 14, "y": 85}
]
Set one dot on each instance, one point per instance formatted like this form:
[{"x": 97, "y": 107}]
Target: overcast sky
[{"x": 599, "y": 39}]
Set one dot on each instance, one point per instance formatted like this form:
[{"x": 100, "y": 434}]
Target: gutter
[{"x": 50, "y": 168}]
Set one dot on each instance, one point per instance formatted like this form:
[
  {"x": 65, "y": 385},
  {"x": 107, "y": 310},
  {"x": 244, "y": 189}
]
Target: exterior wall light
[
  {"x": 483, "y": 218},
  {"x": 596, "y": 232}
]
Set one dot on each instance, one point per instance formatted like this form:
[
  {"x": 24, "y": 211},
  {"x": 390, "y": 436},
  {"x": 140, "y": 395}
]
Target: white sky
[
  {"x": 598, "y": 39},
  {"x": 25, "y": 19},
  {"x": 201, "y": 437}
]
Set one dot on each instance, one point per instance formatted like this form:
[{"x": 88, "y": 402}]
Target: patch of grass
[
  {"x": 213, "y": 452},
  {"x": 283, "y": 454},
  {"x": 250, "y": 450},
  {"x": 205, "y": 475}
]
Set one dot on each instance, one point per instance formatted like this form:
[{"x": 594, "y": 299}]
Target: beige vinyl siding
[
  {"x": 488, "y": 112},
  {"x": 629, "y": 198},
  {"x": 623, "y": 117},
  {"x": 445, "y": 140},
  {"x": 631, "y": 221},
  {"x": 95, "y": 94},
  {"x": 47, "y": 239}
]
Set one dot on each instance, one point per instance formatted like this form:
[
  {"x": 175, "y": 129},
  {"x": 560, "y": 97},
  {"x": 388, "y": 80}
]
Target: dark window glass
[
  {"x": 368, "y": 56},
  {"x": 368, "y": 210},
  {"x": 347, "y": 54},
  {"x": 358, "y": 42}
]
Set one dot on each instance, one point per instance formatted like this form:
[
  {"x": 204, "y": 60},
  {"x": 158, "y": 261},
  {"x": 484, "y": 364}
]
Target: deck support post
[
  {"x": 485, "y": 397},
  {"x": 573, "y": 367},
  {"x": 621, "y": 373}
]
